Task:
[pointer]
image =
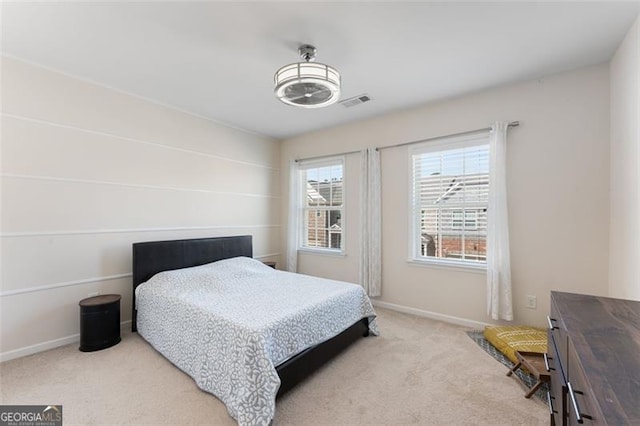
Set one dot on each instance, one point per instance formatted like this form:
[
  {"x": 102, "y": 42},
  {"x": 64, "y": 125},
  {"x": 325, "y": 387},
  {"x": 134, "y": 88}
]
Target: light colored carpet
[{"x": 418, "y": 371}]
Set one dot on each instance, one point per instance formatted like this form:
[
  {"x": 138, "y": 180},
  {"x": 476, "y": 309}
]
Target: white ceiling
[{"x": 217, "y": 59}]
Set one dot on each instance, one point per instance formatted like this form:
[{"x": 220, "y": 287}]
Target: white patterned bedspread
[{"x": 229, "y": 323}]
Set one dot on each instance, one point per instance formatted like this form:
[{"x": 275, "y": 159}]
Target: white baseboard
[
  {"x": 39, "y": 347},
  {"x": 125, "y": 327},
  {"x": 432, "y": 315}
]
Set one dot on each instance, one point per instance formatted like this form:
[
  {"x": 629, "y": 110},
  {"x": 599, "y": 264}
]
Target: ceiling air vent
[{"x": 356, "y": 100}]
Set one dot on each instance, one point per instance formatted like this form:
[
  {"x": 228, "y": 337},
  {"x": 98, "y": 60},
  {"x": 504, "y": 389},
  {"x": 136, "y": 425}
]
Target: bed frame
[{"x": 152, "y": 257}]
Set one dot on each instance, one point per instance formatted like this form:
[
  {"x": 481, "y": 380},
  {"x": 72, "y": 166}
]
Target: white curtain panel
[
  {"x": 499, "y": 299},
  {"x": 293, "y": 231},
  {"x": 370, "y": 223}
]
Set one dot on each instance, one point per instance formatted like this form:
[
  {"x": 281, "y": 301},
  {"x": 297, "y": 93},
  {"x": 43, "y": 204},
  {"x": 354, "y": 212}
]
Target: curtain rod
[
  {"x": 468, "y": 132},
  {"x": 486, "y": 129},
  {"x": 317, "y": 157}
]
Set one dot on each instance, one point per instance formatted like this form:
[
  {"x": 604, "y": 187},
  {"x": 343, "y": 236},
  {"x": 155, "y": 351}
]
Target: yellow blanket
[{"x": 509, "y": 339}]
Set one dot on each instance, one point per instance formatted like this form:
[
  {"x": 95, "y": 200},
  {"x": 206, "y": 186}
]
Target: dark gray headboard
[{"x": 152, "y": 257}]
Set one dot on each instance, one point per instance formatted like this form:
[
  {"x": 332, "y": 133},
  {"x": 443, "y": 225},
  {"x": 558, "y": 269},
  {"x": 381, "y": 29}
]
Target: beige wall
[
  {"x": 87, "y": 171},
  {"x": 558, "y": 182},
  {"x": 624, "y": 269}
]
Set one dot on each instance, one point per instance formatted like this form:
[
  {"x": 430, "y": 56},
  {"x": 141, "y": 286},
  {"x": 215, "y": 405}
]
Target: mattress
[{"x": 228, "y": 324}]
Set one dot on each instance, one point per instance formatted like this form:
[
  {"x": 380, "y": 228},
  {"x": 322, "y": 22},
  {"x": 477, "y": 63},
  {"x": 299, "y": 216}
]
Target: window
[
  {"x": 465, "y": 219},
  {"x": 450, "y": 184},
  {"x": 322, "y": 204}
]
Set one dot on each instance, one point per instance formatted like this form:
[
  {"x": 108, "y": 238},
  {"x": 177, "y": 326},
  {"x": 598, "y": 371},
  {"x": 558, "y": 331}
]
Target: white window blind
[
  {"x": 450, "y": 183},
  {"x": 322, "y": 206}
]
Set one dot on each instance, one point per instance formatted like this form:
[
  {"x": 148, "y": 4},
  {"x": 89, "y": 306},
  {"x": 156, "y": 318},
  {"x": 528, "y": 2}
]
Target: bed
[{"x": 193, "y": 299}]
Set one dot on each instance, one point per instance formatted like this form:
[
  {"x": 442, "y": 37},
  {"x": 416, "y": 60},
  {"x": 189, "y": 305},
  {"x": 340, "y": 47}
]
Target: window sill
[
  {"x": 321, "y": 252},
  {"x": 455, "y": 266}
]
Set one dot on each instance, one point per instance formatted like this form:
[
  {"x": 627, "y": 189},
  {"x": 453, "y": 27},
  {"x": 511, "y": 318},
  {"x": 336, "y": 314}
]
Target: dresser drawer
[
  {"x": 558, "y": 340},
  {"x": 579, "y": 395},
  {"x": 557, "y": 395},
  {"x": 557, "y": 400}
]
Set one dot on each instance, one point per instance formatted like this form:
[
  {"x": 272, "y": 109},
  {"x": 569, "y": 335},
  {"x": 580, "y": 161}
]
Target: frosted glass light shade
[{"x": 307, "y": 84}]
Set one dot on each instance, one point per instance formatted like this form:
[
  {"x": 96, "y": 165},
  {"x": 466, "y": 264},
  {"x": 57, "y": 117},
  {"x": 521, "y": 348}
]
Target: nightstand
[{"x": 99, "y": 322}]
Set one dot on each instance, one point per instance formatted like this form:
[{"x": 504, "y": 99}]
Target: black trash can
[{"x": 99, "y": 322}]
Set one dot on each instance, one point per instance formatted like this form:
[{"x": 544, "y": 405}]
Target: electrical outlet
[
  {"x": 97, "y": 293},
  {"x": 532, "y": 302}
]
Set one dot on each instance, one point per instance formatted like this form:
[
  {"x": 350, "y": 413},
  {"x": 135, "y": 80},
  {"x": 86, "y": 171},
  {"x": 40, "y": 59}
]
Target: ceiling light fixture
[{"x": 307, "y": 84}]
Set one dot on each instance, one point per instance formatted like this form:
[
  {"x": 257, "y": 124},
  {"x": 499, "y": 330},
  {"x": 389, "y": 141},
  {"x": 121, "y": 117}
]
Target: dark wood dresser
[{"x": 594, "y": 360}]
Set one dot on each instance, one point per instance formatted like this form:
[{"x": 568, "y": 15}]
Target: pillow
[{"x": 509, "y": 339}]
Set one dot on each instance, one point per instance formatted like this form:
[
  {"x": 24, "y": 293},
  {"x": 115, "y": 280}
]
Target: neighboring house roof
[
  {"x": 452, "y": 193},
  {"x": 314, "y": 197},
  {"x": 329, "y": 191},
  {"x": 442, "y": 190}
]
